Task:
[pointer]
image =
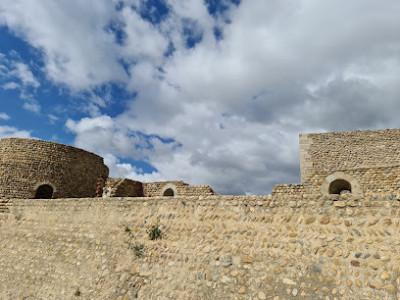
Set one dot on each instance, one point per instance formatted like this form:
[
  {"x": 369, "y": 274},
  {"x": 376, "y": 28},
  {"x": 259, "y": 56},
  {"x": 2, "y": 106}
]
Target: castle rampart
[
  {"x": 334, "y": 236},
  {"x": 357, "y": 161},
  {"x": 212, "y": 247},
  {"x": 176, "y": 188},
  {"x": 32, "y": 168},
  {"x": 332, "y": 151},
  {"x": 122, "y": 187}
]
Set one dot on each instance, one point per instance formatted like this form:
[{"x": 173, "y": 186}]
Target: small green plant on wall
[
  {"x": 137, "y": 249},
  {"x": 154, "y": 232}
]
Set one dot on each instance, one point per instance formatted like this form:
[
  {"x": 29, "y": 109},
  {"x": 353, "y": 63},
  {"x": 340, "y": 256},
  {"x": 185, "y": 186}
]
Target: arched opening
[
  {"x": 169, "y": 192},
  {"x": 339, "y": 185},
  {"x": 45, "y": 191}
]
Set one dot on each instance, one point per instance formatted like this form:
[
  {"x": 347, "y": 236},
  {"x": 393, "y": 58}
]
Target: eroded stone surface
[{"x": 217, "y": 247}]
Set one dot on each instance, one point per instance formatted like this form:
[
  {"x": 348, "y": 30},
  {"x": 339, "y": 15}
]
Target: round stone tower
[{"x": 32, "y": 168}]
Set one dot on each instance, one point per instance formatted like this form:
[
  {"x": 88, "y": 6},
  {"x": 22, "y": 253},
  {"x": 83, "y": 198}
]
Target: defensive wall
[
  {"x": 38, "y": 169},
  {"x": 213, "y": 247},
  {"x": 363, "y": 162},
  {"x": 333, "y": 236},
  {"x": 176, "y": 188},
  {"x": 332, "y": 151},
  {"x": 123, "y": 187},
  {"x": 31, "y": 168}
]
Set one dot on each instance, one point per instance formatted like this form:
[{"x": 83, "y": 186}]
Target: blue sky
[{"x": 209, "y": 92}]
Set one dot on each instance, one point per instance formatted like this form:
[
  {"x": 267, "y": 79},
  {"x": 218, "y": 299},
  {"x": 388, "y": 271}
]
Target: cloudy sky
[{"x": 206, "y": 91}]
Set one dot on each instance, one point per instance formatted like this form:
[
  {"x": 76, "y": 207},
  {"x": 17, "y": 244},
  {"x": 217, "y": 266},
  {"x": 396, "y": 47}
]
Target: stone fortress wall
[
  {"x": 324, "y": 153},
  {"x": 363, "y": 162},
  {"x": 334, "y": 236},
  {"x": 176, "y": 188},
  {"x": 212, "y": 247},
  {"x": 32, "y": 168},
  {"x": 123, "y": 187}
]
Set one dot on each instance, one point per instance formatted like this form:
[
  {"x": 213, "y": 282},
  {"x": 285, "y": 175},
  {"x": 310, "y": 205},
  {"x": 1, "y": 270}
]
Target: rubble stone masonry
[
  {"x": 123, "y": 187},
  {"x": 334, "y": 236},
  {"x": 180, "y": 188},
  {"x": 329, "y": 152},
  {"x": 369, "y": 159},
  {"x": 212, "y": 247},
  {"x": 28, "y": 164}
]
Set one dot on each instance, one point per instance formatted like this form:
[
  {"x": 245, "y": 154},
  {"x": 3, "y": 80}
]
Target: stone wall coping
[
  {"x": 366, "y": 132},
  {"x": 267, "y": 201},
  {"x": 47, "y": 143}
]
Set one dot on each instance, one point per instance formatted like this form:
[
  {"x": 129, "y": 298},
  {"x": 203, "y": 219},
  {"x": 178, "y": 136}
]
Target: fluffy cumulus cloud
[
  {"x": 220, "y": 91},
  {"x": 125, "y": 170},
  {"x": 77, "y": 50},
  {"x": 8, "y": 131}
]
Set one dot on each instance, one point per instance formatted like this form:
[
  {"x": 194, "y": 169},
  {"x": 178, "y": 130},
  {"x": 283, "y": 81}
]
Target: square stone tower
[{"x": 357, "y": 161}]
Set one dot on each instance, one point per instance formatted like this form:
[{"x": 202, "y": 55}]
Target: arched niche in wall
[
  {"x": 169, "y": 190},
  {"x": 44, "y": 191},
  {"x": 338, "y": 186},
  {"x": 339, "y": 182}
]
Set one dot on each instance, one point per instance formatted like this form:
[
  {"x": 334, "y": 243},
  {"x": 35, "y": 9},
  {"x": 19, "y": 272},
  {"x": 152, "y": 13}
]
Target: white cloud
[
  {"x": 144, "y": 41},
  {"x": 10, "y": 86},
  {"x": 22, "y": 72},
  {"x": 124, "y": 170},
  {"x": 18, "y": 76},
  {"x": 4, "y": 116},
  {"x": 102, "y": 135},
  {"x": 32, "y": 106},
  {"x": 209, "y": 153},
  {"x": 7, "y": 132},
  {"x": 52, "y": 118},
  {"x": 12, "y": 70},
  {"x": 78, "y": 52}
]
